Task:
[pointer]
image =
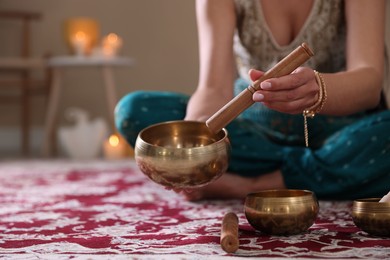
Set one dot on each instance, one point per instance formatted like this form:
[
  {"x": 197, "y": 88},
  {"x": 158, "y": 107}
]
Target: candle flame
[
  {"x": 114, "y": 140},
  {"x": 80, "y": 35},
  {"x": 112, "y": 37}
]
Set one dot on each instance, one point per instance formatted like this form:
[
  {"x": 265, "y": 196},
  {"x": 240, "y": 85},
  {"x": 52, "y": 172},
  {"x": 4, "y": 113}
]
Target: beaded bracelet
[{"x": 317, "y": 107}]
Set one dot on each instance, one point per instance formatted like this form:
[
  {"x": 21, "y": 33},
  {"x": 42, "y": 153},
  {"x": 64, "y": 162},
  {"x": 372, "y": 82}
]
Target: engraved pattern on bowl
[
  {"x": 281, "y": 212},
  {"x": 181, "y": 154},
  {"x": 372, "y": 216}
]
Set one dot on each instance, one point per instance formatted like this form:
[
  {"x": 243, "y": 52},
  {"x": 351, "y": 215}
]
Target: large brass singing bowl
[
  {"x": 372, "y": 216},
  {"x": 281, "y": 212},
  {"x": 182, "y": 154}
]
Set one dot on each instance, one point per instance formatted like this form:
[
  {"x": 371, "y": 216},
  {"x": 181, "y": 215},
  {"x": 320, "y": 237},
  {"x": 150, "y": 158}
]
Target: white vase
[{"x": 84, "y": 139}]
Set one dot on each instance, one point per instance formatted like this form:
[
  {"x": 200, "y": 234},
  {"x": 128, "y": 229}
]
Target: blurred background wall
[{"x": 159, "y": 35}]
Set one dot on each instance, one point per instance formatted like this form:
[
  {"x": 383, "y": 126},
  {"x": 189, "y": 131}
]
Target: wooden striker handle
[
  {"x": 229, "y": 233},
  {"x": 244, "y": 100}
]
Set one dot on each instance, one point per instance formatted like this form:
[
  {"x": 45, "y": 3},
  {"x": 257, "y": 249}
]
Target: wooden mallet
[{"x": 229, "y": 233}]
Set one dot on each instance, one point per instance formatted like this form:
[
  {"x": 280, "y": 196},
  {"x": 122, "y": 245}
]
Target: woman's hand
[{"x": 289, "y": 94}]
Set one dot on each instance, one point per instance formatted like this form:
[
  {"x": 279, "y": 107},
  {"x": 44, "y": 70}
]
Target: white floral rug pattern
[{"x": 109, "y": 210}]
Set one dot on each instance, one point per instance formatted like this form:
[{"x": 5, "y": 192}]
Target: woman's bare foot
[{"x": 233, "y": 186}]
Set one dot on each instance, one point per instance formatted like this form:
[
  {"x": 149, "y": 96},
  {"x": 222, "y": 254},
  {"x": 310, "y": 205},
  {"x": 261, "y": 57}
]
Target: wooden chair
[{"x": 18, "y": 79}]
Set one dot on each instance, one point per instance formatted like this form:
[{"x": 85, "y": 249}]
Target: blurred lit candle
[
  {"x": 80, "y": 43},
  {"x": 81, "y": 34},
  {"x": 111, "y": 44},
  {"x": 115, "y": 147}
]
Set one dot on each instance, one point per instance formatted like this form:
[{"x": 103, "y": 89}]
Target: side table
[{"x": 58, "y": 64}]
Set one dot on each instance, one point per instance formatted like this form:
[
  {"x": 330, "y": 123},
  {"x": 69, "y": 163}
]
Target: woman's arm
[
  {"x": 357, "y": 88},
  {"x": 216, "y": 25}
]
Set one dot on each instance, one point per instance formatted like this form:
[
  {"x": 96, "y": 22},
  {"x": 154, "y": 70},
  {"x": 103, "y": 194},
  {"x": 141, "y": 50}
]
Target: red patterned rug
[{"x": 109, "y": 210}]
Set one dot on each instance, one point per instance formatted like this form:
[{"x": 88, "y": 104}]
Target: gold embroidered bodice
[{"x": 324, "y": 31}]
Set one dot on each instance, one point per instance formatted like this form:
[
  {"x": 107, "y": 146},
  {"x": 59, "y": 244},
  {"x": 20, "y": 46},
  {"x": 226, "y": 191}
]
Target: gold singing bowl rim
[
  {"x": 266, "y": 210},
  {"x": 144, "y": 137},
  {"x": 372, "y": 216},
  {"x": 173, "y": 153},
  {"x": 282, "y": 195}
]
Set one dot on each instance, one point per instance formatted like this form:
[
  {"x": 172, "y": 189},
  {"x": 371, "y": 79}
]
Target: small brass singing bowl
[
  {"x": 372, "y": 216},
  {"x": 182, "y": 154},
  {"x": 281, "y": 212}
]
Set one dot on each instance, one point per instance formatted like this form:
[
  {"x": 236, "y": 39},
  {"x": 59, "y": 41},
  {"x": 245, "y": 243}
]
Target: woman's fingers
[
  {"x": 289, "y": 94},
  {"x": 255, "y": 74}
]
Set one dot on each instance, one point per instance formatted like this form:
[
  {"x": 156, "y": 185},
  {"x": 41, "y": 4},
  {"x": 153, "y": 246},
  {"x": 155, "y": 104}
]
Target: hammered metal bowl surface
[
  {"x": 372, "y": 216},
  {"x": 281, "y": 212},
  {"x": 182, "y": 154}
]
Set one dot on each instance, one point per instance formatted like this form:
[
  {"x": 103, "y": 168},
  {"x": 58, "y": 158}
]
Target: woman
[{"x": 349, "y": 144}]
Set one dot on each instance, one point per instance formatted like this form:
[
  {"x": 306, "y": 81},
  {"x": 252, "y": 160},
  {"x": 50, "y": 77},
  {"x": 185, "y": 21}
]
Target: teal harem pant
[{"x": 348, "y": 158}]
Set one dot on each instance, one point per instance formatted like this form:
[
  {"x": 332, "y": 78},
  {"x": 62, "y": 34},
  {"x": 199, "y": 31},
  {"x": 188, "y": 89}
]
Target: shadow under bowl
[
  {"x": 372, "y": 216},
  {"x": 281, "y": 212},
  {"x": 182, "y": 154}
]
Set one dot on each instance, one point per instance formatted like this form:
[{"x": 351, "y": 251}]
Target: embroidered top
[
  {"x": 255, "y": 47},
  {"x": 324, "y": 32}
]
